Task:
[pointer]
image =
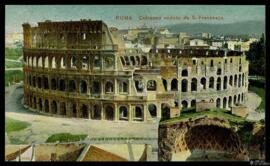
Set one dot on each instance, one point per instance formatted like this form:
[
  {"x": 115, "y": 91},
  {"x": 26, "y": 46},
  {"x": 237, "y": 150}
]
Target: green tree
[{"x": 256, "y": 57}]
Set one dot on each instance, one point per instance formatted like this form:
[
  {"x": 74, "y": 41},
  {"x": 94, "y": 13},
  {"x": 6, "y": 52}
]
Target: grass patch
[
  {"x": 17, "y": 141},
  {"x": 13, "y": 53},
  {"x": 14, "y": 75},
  {"x": 66, "y": 137},
  {"x": 15, "y": 125},
  {"x": 210, "y": 113},
  {"x": 261, "y": 92},
  {"x": 9, "y": 64}
]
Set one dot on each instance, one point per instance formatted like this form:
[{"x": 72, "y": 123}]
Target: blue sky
[{"x": 16, "y": 15}]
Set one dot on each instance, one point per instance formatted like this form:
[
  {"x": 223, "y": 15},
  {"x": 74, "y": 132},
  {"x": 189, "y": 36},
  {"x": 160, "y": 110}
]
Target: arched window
[
  {"x": 243, "y": 79},
  {"x": 85, "y": 62},
  {"x": 203, "y": 82},
  {"x": 239, "y": 80},
  {"x": 151, "y": 85},
  {"x": 139, "y": 85},
  {"x": 211, "y": 82},
  {"x": 73, "y": 62},
  {"x": 109, "y": 87},
  {"x": 234, "y": 99},
  {"x": 96, "y": 112},
  {"x": 74, "y": 110},
  {"x": 72, "y": 86},
  {"x": 225, "y": 82},
  {"x": 174, "y": 85},
  {"x": 194, "y": 84},
  {"x": 40, "y": 104},
  {"x": 53, "y": 84},
  {"x": 219, "y": 71},
  {"x": 212, "y": 63},
  {"x": 242, "y": 97},
  {"x": 165, "y": 111},
  {"x": 30, "y": 63},
  {"x": 224, "y": 102},
  {"x": 54, "y": 107},
  {"x": 45, "y": 82},
  {"x": 123, "y": 113},
  {"x": 40, "y": 61},
  {"x": 97, "y": 61},
  {"x": 137, "y": 60},
  {"x": 109, "y": 113},
  {"x": 164, "y": 84},
  {"x": 144, "y": 60},
  {"x": 152, "y": 110},
  {"x": 39, "y": 82},
  {"x": 235, "y": 80},
  {"x": 184, "y": 104},
  {"x": 218, "y": 103},
  {"x": 193, "y": 103},
  {"x": 231, "y": 81},
  {"x": 34, "y": 81},
  {"x": 132, "y": 60},
  {"x": 63, "y": 62},
  {"x": 53, "y": 62},
  {"x": 138, "y": 113},
  {"x": 123, "y": 87},
  {"x": 184, "y": 85},
  {"x": 46, "y": 62},
  {"x": 84, "y": 112},
  {"x": 184, "y": 73},
  {"x": 219, "y": 83},
  {"x": 123, "y": 61},
  {"x": 239, "y": 98},
  {"x": 83, "y": 87},
  {"x": 46, "y": 106},
  {"x": 63, "y": 110},
  {"x": 230, "y": 101},
  {"x": 34, "y": 61},
  {"x": 62, "y": 85},
  {"x": 96, "y": 87}
]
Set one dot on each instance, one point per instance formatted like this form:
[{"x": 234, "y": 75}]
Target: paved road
[{"x": 43, "y": 126}]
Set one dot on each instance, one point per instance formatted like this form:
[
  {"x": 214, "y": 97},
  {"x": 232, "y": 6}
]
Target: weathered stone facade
[{"x": 80, "y": 69}]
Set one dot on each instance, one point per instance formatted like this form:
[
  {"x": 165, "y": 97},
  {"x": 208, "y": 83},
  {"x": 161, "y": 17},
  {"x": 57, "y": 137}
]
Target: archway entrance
[{"x": 165, "y": 111}]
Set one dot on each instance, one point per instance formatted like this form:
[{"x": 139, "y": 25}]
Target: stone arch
[
  {"x": 97, "y": 61},
  {"x": 53, "y": 62},
  {"x": 85, "y": 62},
  {"x": 35, "y": 103},
  {"x": 73, "y": 62},
  {"x": 74, "y": 110},
  {"x": 137, "y": 60},
  {"x": 184, "y": 85},
  {"x": 63, "y": 110},
  {"x": 139, "y": 85},
  {"x": 184, "y": 104},
  {"x": 84, "y": 111},
  {"x": 218, "y": 83},
  {"x": 225, "y": 82},
  {"x": 218, "y": 104},
  {"x": 230, "y": 101},
  {"x": 231, "y": 81},
  {"x": 96, "y": 87},
  {"x": 46, "y": 106},
  {"x": 239, "y": 98},
  {"x": 127, "y": 62},
  {"x": 34, "y": 81},
  {"x": 235, "y": 80},
  {"x": 132, "y": 60},
  {"x": 224, "y": 102},
  {"x": 165, "y": 111},
  {"x": 152, "y": 110},
  {"x": 203, "y": 83},
  {"x": 63, "y": 62},
  {"x": 53, "y": 107},
  {"x": 30, "y": 62},
  {"x": 219, "y": 71},
  {"x": 109, "y": 87},
  {"x": 123, "y": 60},
  {"x": 40, "y": 61},
  {"x": 234, "y": 99},
  {"x": 144, "y": 60},
  {"x": 138, "y": 115},
  {"x": 123, "y": 113},
  {"x": 193, "y": 103},
  {"x": 96, "y": 113},
  {"x": 53, "y": 84},
  {"x": 243, "y": 79},
  {"x": 62, "y": 85},
  {"x": 164, "y": 82},
  {"x": 34, "y": 61},
  {"x": 194, "y": 84},
  {"x": 39, "y": 82},
  {"x": 46, "y": 62},
  {"x": 40, "y": 105},
  {"x": 151, "y": 85},
  {"x": 239, "y": 80},
  {"x": 123, "y": 87},
  {"x": 45, "y": 82},
  {"x": 83, "y": 86},
  {"x": 109, "y": 112},
  {"x": 174, "y": 85},
  {"x": 211, "y": 82},
  {"x": 184, "y": 73},
  {"x": 72, "y": 86}
]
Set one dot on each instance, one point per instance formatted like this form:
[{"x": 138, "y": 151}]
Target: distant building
[
  {"x": 206, "y": 35},
  {"x": 197, "y": 42}
]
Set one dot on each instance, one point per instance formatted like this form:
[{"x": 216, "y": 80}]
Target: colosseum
[{"x": 82, "y": 69}]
